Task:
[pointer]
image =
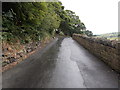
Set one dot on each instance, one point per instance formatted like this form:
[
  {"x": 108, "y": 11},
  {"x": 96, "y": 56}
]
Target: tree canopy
[{"x": 31, "y": 21}]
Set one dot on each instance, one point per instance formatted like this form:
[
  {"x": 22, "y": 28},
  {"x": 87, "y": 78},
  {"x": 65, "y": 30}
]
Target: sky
[{"x": 99, "y": 16}]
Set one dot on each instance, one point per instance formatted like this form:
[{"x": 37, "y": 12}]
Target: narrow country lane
[{"x": 61, "y": 64}]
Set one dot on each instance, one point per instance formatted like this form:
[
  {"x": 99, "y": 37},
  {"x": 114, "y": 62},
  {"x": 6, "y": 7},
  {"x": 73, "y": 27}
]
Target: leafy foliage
[
  {"x": 33, "y": 21},
  {"x": 88, "y": 33},
  {"x": 71, "y": 23}
]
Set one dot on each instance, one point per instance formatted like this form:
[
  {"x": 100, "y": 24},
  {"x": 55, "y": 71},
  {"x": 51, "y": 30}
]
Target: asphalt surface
[{"x": 61, "y": 64}]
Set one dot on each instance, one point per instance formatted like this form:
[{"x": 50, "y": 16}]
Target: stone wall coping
[{"x": 106, "y": 42}]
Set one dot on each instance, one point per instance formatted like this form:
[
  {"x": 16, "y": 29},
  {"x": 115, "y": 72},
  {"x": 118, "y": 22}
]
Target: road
[{"x": 61, "y": 64}]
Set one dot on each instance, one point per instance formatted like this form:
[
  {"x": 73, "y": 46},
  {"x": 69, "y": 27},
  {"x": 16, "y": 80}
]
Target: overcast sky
[{"x": 99, "y": 16}]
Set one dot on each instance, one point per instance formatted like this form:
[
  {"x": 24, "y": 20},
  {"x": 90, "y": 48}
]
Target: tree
[
  {"x": 88, "y": 33},
  {"x": 71, "y": 23},
  {"x": 31, "y": 21}
]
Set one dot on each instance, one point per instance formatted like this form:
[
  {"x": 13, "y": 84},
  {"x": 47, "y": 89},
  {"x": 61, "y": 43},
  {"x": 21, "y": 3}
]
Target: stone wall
[
  {"x": 15, "y": 52},
  {"x": 106, "y": 50}
]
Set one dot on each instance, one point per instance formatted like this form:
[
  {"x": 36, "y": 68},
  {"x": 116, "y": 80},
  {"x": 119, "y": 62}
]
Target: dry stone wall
[{"x": 106, "y": 50}]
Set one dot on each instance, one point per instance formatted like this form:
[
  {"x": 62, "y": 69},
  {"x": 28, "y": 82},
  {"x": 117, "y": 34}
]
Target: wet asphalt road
[{"x": 61, "y": 64}]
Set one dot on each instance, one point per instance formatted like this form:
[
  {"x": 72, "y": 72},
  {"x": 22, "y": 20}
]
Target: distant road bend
[{"x": 61, "y": 64}]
